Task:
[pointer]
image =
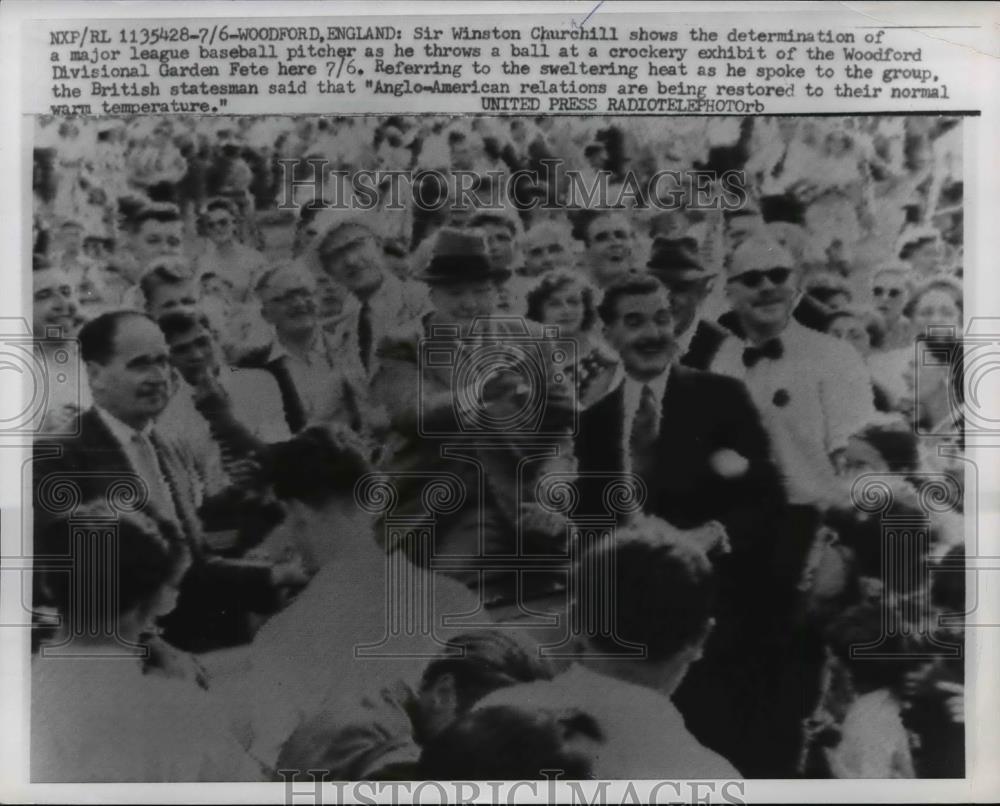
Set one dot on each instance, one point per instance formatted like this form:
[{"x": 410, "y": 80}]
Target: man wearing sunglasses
[{"x": 812, "y": 390}]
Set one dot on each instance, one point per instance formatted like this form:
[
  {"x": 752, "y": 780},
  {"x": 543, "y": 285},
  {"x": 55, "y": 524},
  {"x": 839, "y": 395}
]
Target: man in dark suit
[
  {"x": 693, "y": 437},
  {"x": 128, "y": 369},
  {"x": 696, "y": 441}
]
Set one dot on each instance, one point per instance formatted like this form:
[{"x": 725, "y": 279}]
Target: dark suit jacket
[
  {"x": 703, "y": 413},
  {"x": 93, "y": 462}
]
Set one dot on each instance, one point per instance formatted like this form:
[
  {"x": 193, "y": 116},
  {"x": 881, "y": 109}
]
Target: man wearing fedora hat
[
  {"x": 462, "y": 286},
  {"x": 349, "y": 252},
  {"x": 675, "y": 263}
]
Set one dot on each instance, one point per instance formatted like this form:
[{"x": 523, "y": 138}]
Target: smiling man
[
  {"x": 812, "y": 390},
  {"x": 693, "y": 437}
]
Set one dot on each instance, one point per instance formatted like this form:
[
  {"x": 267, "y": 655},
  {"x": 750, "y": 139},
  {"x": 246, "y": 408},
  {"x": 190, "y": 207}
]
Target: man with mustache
[
  {"x": 812, "y": 390},
  {"x": 128, "y": 368},
  {"x": 695, "y": 440}
]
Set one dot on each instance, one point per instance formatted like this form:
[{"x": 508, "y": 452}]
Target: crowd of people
[{"x": 252, "y": 356}]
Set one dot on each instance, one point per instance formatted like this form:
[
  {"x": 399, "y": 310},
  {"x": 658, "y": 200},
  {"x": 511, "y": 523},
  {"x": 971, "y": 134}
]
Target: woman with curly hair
[{"x": 563, "y": 300}]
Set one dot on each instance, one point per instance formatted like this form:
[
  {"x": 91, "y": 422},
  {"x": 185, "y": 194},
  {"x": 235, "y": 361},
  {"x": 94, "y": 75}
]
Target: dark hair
[
  {"x": 159, "y": 275},
  {"x": 945, "y": 283},
  {"x": 907, "y": 249},
  {"x": 40, "y": 262},
  {"x": 897, "y": 445},
  {"x": 97, "y": 336},
  {"x": 555, "y": 281},
  {"x": 221, "y": 203},
  {"x": 490, "y": 660},
  {"x": 316, "y": 464},
  {"x": 664, "y": 589},
  {"x": 177, "y": 323},
  {"x": 160, "y": 211},
  {"x": 588, "y": 221},
  {"x": 149, "y": 553},
  {"x": 629, "y": 285},
  {"x": 505, "y": 742},
  {"x": 864, "y": 624}
]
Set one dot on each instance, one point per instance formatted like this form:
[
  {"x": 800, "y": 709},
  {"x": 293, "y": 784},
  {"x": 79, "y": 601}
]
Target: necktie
[
  {"x": 644, "y": 432},
  {"x": 365, "y": 334},
  {"x": 150, "y": 471},
  {"x": 772, "y": 348}
]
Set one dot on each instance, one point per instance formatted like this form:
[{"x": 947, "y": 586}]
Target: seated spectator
[
  {"x": 152, "y": 728},
  {"x": 379, "y": 736}
]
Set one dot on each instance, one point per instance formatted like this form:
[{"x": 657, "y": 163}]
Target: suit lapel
[{"x": 295, "y": 412}]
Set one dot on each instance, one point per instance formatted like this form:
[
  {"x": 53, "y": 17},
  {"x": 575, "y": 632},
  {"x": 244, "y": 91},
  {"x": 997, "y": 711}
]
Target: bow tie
[{"x": 772, "y": 348}]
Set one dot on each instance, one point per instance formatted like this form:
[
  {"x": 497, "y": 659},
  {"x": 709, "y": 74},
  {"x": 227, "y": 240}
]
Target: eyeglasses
[
  {"x": 881, "y": 291},
  {"x": 755, "y": 277},
  {"x": 218, "y": 223}
]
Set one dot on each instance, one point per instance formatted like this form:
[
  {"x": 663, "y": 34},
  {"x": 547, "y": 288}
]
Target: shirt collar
[
  {"x": 658, "y": 385},
  {"x": 318, "y": 347},
  {"x": 123, "y": 432}
]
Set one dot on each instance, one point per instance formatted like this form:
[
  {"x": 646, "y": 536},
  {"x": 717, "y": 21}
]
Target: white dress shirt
[{"x": 811, "y": 400}]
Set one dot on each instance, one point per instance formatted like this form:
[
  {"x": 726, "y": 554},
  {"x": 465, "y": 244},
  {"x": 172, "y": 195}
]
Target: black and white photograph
[{"x": 473, "y": 448}]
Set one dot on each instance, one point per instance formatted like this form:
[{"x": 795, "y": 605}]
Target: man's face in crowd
[
  {"x": 643, "y": 333},
  {"x": 461, "y": 303},
  {"x": 609, "y": 242},
  {"x": 889, "y": 294},
  {"x": 686, "y": 296},
  {"x": 134, "y": 384},
  {"x": 54, "y": 303},
  {"x": 181, "y": 296},
  {"x": 289, "y": 304},
  {"x": 763, "y": 295},
  {"x": 499, "y": 244},
  {"x": 356, "y": 266},
  {"x": 158, "y": 238},
  {"x": 194, "y": 353},
  {"x": 220, "y": 226},
  {"x": 545, "y": 252}
]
